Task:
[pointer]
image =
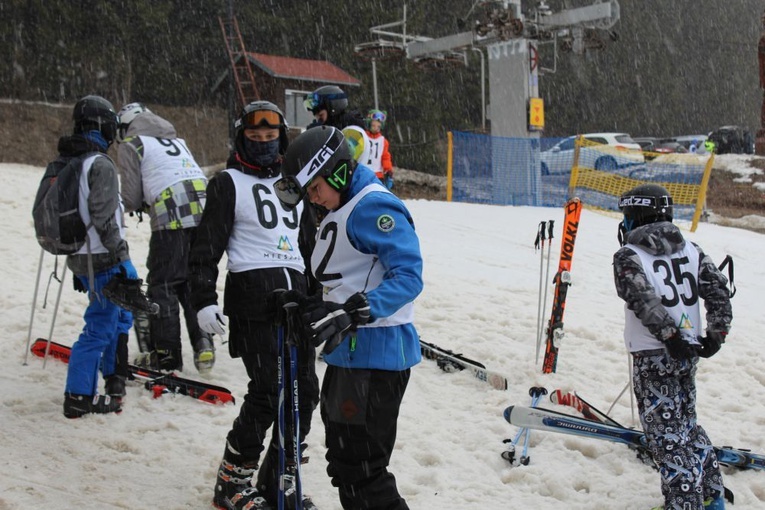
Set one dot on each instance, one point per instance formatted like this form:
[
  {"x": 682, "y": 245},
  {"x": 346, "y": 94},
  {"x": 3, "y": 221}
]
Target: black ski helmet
[
  {"x": 644, "y": 204},
  {"x": 95, "y": 113},
  {"x": 270, "y": 116},
  {"x": 329, "y": 97},
  {"x": 318, "y": 152}
]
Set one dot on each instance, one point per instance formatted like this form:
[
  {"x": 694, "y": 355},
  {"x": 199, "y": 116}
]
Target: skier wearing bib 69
[
  {"x": 266, "y": 246},
  {"x": 662, "y": 278},
  {"x": 367, "y": 257}
]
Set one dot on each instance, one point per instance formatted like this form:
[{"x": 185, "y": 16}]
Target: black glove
[
  {"x": 326, "y": 322},
  {"x": 78, "y": 285},
  {"x": 678, "y": 348},
  {"x": 281, "y": 301},
  {"x": 711, "y": 343},
  {"x": 357, "y": 306}
]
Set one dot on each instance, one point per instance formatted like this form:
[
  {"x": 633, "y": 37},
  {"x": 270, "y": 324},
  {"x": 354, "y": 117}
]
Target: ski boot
[
  {"x": 114, "y": 386},
  {"x": 126, "y": 293},
  {"x": 233, "y": 486},
  {"x": 76, "y": 406},
  {"x": 204, "y": 354},
  {"x": 268, "y": 483}
]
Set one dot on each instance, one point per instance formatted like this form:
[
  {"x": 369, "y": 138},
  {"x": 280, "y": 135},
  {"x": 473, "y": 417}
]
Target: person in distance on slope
[
  {"x": 267, "y": 246},
  {"x": 379, "y": 155},
  {"x": 329, "y": 106},
  {"x": 662, "y": 278},
  {"x": 367, "y": 257}
]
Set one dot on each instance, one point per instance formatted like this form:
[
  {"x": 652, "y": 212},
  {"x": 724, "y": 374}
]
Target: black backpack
[{"x": 58, "y": 225}]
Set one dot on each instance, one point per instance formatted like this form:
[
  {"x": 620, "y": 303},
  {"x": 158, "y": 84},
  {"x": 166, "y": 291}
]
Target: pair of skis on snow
[
  {"x": 155, "y": 381},
  {"x": 598, "y": 425}
]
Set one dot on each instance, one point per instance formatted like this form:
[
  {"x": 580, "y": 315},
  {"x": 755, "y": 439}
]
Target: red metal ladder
[{"x": 244, "y": 78}]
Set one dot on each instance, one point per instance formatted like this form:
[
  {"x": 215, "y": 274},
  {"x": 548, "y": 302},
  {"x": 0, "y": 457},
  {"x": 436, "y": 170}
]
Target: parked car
[
  {"x": 694, "y": 143},
  {"x": 647, "y": 143},
  {"x": 622, "y": 151},
  {"x": 732, "y": 140}
]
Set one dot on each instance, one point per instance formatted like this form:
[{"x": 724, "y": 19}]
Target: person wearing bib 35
[
  {"x": 367, "y": 257},
  {"x": 267, "y": 246},
  {"x": 662, "y": 278}
]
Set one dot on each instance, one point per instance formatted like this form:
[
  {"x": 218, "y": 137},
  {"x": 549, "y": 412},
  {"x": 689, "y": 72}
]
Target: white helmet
[
  {"x": 358, "y": 143},
  {"x": 127, "y": 114}
]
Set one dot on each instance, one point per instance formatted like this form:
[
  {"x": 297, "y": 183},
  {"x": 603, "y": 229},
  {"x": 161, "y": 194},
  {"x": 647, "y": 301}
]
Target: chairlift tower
[{"x": 512, "y": 41}]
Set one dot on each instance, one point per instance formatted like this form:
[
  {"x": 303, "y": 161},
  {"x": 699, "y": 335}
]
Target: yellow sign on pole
[{"x": 536, "y": 114}]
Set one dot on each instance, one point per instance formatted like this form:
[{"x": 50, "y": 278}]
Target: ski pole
[
  {"x": 298, "y": 482},
  {"x": 547, "y": 273},
  {"x": 55, "y": 312},
  {"x": 34, "y": 305},
  {"x": 282, "y": 417},
  {"x": 539, "y": 242}
]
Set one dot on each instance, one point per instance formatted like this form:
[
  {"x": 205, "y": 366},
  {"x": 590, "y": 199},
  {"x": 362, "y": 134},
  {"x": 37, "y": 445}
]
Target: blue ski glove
[{"x": 711, "y": 343}]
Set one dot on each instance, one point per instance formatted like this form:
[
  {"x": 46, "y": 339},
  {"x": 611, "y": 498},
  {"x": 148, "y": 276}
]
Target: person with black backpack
[{"x": 103, "y": 256}]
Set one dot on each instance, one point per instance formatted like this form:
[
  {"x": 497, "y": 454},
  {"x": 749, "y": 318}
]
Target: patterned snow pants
[{"x": 666, "y": 394}]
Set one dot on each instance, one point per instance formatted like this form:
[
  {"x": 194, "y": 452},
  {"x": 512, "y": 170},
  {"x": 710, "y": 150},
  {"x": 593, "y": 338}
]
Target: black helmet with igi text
[
  {"x": 644, "y": 204},
  {"x": 318, "y": 152}
]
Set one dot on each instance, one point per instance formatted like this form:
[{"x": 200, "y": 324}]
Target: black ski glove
[
  {"x": 357, "y": 306},
  {"x": 711, "y": 343},
  {"x": 678, "y": 348},
  {"x": 78, "y": 285},
  {"x": 326, "y": 322},
  {"x": 281, "y": 301}
]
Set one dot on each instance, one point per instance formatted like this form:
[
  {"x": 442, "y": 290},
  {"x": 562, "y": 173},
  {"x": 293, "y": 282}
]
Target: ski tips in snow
[{"x": 449, "y": 361}]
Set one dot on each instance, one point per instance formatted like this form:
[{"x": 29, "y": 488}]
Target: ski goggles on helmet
[
  {"x": 258, "y": 118},
  {"x": 314, "y": 102},
  {"x": 377, "y": 115},
  {"x": 289, "y": 191}
]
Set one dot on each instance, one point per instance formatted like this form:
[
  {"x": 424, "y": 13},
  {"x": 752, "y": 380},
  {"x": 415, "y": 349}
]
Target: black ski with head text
[{"x": 155, "y": 381}]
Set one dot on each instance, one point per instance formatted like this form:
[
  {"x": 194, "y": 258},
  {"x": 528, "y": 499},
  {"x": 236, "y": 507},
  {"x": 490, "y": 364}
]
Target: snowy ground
[{"x": 480, "y": 297}]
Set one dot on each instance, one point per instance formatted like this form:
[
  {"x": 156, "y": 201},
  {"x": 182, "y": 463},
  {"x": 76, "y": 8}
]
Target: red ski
[
  {"x": 573, "y": 210},
  {"x": 157, "y": 382}
]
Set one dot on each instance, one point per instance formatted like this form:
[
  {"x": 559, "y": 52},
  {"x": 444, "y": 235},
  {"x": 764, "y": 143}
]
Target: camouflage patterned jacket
[{"x": 633, "y": 286}]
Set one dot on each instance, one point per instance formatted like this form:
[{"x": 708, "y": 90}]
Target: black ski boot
[
  {"x": 126, "y": 293},
  {"x": 204, "y": 354},
  {"x": 233, "y": 486},
  {"x": 114, "y": 386},
  {"x": 268, "y": 483},
  {"x": 76, "y": 406}
]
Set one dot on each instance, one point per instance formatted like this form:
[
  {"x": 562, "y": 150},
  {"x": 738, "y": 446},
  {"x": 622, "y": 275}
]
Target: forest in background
[{"x": 680, "y": 67}]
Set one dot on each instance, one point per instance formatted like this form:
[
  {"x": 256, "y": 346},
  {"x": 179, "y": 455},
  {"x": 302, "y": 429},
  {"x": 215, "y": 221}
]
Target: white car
[{"x": 621, "y": 152}]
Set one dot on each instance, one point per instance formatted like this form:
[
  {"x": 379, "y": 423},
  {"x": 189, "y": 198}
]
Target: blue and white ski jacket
[{"x": 369, "y": 245}]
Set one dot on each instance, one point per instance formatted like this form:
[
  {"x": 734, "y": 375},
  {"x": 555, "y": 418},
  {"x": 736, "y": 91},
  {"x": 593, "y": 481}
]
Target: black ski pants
[
  {"x": 169, "y": 287},
  {"x": 260, "y": 408},
  {"x": 360, "y": 409}
]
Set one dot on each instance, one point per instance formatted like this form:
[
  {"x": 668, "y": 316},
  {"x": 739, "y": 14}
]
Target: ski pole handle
[{"x": 550, "y": 229}]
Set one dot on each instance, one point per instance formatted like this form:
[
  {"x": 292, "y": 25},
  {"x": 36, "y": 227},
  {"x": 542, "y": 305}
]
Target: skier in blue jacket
[{"x": 367, "y": 257}]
